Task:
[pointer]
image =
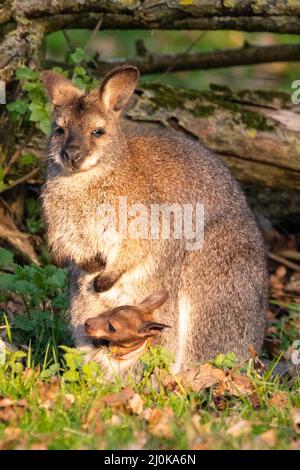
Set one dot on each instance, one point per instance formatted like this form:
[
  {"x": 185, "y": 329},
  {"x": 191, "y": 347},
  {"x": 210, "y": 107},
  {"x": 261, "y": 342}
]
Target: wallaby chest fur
[{"x": 217, "y": 293}]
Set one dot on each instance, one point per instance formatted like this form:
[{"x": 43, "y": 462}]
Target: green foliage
[
  {"x": 42, "y": 297},
  {"x": 78, "y": 56},
  {"x": 225, "y": 361},
  {"x": 83, "y": 80},
  {"x": 33, "y": 106},
  {"x": 36, "y": 285},
  {"x": 6, "y": 258}
]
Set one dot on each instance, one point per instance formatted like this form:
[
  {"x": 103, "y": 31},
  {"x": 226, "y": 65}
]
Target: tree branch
[
  {"x": 250, "y": 15},
  {"x": 159, "y": 63}
]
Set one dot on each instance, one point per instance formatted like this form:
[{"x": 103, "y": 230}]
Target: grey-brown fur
[{"x": 223, "y": 286}]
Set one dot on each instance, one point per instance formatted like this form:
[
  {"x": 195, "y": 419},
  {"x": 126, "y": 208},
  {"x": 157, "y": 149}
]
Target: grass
[{"x": 51, "y": 399}]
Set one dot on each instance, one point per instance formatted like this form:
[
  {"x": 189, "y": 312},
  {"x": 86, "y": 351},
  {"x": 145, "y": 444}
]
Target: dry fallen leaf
[
  {"x": 238, "y": 385},
  {"x": 12, "y": 235},
  {"x": 115, "y": 420},
  {"x": 120, "y": 398},
  {"x": 197, "y": 378},
  {"x": 12, "y": 410},
  {"x": 268, "y": 438},
  {"x": 279, "y": 400},
  {"x": 160, "y": 422},
  {"x": 239, "y": 428},
  {"x": 68, "y": 400},
  {"x": 194, "y": 430},
  {"x": 48, "y": 392},
  {"x": 92, "y": 423},
  {"x": 136, "y": 404},
  {"x": 12, "y": 435},
  {"x": 140, "y": 440}
]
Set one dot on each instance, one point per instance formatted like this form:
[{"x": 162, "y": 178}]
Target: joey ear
[
  {"x": 118, "y": 87},
  {"x": 58, "y": 88},
  {"x": 150, "y": 328},
  {"x": 154, "y": 301}
]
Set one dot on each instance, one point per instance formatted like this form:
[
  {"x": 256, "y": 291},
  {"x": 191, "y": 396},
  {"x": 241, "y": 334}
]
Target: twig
[
  {"x": 12, "y": 160},
  {"x": 95, "y": 31},
  {"x": 68, "y": 40},
  {"x": 285, "y": 262},
  {"x": 176, "y": 58},
  {"x": 23, "y": 179},
  {"x": 290, "y": 254}
]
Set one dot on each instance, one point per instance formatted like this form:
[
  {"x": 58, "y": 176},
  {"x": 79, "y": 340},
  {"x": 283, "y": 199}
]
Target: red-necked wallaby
[
  {"x": 127, "y": 330},
  {"x": 217, "y": 293}
]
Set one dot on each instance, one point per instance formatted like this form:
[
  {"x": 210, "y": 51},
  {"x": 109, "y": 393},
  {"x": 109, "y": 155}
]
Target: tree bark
[
  {"x": 255, "y": 133},
  {"x": 248, "y": 15}
]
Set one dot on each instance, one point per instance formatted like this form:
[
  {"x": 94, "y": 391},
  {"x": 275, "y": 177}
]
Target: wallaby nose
[
  {"x": 71, "y": 154},
  {"x": 65, "y": 155}
]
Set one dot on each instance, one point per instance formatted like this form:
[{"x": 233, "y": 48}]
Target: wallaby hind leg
[{"x": 221, "y": 300}]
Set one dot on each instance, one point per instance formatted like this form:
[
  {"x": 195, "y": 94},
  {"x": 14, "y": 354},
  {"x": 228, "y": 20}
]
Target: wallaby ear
[
  {"x": 150, "y": 328},
  {"x": 59, "y": 88},
  {"x": 118, "y": 86},
  {"x": 154, "y": 301}
]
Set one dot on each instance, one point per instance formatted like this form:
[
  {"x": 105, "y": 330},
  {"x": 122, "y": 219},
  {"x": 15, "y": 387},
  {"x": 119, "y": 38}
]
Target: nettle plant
[
  {"x": 33, "y": 106},
  {"x": 38, "y": 296}
]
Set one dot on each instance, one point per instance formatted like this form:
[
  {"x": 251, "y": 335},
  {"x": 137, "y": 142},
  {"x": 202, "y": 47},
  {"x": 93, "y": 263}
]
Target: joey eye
[
  {"x": 98, "y": 132},
  {"x": 59, "y": 130},
  {"x": 111, "y": 328}
]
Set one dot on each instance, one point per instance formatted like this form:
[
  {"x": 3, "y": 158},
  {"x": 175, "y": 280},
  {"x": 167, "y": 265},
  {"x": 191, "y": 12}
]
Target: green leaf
[
  {"x": 21, "y": 322},
  {"x": 52, "y": 370},
  {"x": 45, "y": 126},
  {"x": 79, "y": 56},
  {"x": 80, "y": 83},
  {"x": 18, "y": 368},
  {"x": 6, "y": 258},
  {"x": 58, "y": 279},
  {"x": 29, "y": 86},
  {"x": 80, "y": 71},
  {"x": 228, "y": 360},
  {"x": 19, "y": 106},
  {"x": 60, "y": 71},
  {"x": 27, "y": 159},
  {"x": 71, "y": 375},
  {"x": 25, "y": 73},
  {"x": 38, "y": 112}
]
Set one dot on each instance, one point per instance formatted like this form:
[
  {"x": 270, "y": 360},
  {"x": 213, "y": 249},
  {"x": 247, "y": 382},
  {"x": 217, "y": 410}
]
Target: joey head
[{"x": 128, "y": 328}]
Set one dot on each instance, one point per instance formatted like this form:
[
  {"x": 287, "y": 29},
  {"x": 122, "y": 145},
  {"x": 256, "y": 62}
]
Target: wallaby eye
[
  {"x": 59, "y": 130},
  {"x": 98, "y": 132},
  {"x": 111, "y": 328}
]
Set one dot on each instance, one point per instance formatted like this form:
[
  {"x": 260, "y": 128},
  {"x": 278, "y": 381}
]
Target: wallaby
[
  {"x": 129, "y": 329},
  {"x": 217, "y": 292}
]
